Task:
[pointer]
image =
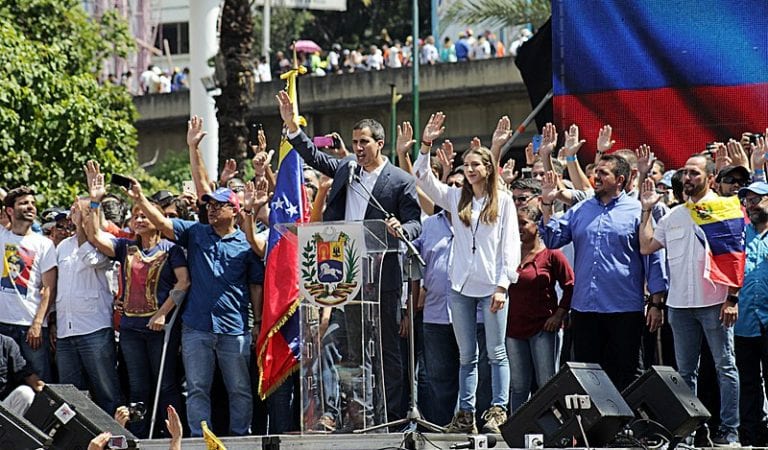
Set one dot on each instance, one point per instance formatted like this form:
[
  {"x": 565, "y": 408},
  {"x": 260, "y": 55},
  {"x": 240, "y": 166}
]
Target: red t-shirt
[{"x": 533, "y": 300}]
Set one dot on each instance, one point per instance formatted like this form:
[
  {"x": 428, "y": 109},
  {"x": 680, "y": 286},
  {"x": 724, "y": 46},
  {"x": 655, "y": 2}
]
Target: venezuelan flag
[
  {"x": 674, "y": 74},
  {"x": 721, "y": 224},
  {"x": 278, "y": 346}
]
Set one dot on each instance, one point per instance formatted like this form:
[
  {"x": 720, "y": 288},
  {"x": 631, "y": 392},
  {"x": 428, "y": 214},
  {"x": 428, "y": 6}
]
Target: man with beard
[
  {"x": 608, "y": 301},
  {"x": 751, "y": 335},
  {"x": 27, "y": 281},
  {"x": 698, "y": 306}
]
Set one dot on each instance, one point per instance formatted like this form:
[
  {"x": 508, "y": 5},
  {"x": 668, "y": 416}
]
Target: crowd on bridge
[{"x": 560, "y": 260}]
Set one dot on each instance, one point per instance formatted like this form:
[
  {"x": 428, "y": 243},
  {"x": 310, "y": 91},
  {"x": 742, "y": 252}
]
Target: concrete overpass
[{"x": 472, "y": 94}]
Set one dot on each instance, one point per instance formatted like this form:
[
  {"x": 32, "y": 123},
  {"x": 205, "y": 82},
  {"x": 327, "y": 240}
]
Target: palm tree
[
  {"x": 499, "y": 12},
  {"x": 235, "y": 72}
]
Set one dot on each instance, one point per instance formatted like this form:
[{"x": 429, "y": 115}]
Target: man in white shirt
[
  {"x": 85, "y": 349},
  {"x": 27, "y": 281},
  {"x": 697, "y": 306}
]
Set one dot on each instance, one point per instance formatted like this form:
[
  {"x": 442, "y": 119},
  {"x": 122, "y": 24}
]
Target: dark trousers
[
  {"x": 752, "y": 362},
  {"x": 611, "y": 340},
  {"x": 389, "y": 310}
]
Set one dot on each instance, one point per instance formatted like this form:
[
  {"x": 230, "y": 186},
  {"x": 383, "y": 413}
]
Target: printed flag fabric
[
  {"x": 721, "y": 231},
  {"x": 673, "y": 74},
  {"x": 279, "y": 345}
]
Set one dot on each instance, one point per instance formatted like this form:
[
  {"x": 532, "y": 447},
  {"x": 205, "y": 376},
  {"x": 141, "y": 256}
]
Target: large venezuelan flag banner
[
  {"x": 279, "y": 344},
  {"x": 673, "y": 74},
  {"x": 721, "y": 222}
]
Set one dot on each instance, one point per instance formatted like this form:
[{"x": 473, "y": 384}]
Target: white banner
[{"x": 327, "y": 5}]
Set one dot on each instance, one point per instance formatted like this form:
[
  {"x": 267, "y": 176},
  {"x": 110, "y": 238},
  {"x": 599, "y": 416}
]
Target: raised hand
[
  {"x": 445, "y": 156},
  {"x": 737, "y": 154},
  {"x": 508, "y": 172},
  {"x": 95, "y": 180},
  {"x": 289, "y": 116},
  {"x": 721, "y": 157},
  {"x": 195, "y": 132},
  {"x": 475, "y": 143},
  {"x": 228, "y": 172},
  {"x": 404, "y": 139},
  {"x": 530, "y": 158},
  {"x": 135, "y": 191},
  {"x": 261, "y": 161},
  {"x": 758, "y": 153},
  {"x": 645, "y": 159},
  {"x": 648, "y": 195},
  {"x": 572, "y": 142},
  {"x": 548, "y": 140},
  {"x": 434, "y": 128},
  {"x": 502, "y": 133},
  {"x": 604, "y": 142},
  {"x": 549, "y": 187}
]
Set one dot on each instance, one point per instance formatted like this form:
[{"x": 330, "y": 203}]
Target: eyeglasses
[
  {"x": 63, "y": 226},
  {"x": 214, "y": 206},
  {"x": 752, "y": 201},
  {"x": 522, "y": 198},
  {"x": 733, "y": 180}
]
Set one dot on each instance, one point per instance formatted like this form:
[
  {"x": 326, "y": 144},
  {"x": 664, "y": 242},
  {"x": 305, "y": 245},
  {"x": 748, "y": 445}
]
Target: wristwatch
[{"x": 732, "y": 298}]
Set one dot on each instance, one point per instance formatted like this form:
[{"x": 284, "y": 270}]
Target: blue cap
[
  {"x": 224, "y": 195},
  {"x": 758, "y": 187}
]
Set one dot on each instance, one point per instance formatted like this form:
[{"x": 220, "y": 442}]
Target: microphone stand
[{"x": 414, "y": 417}]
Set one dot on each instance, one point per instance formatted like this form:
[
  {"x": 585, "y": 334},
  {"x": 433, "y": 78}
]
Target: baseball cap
[
  {"x": 732, "y": 170},
  {"x": 666, "y": 179},
  {"x": 224, "y": 195},
  {"x": 758, "y": 187},
  {"x": 54, "y": 214}
]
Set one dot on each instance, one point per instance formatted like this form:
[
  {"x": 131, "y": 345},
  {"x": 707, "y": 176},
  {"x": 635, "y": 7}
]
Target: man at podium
[{"x": 349, "y": 200}]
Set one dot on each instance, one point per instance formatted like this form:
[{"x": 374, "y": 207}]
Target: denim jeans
[
  {"x": 39, "y": 359},
  {"x": 142, "y": 350},
  {"x": 463, "y": 311},
  {"x": 752, "y": 361},
  {"x": 442, "y": 363},
  {"x": 201, "y": 349},
  {"x": 688, "y": 326},
  {"x": 89, "y": 362},
  {"x": 538, "y": 355}
]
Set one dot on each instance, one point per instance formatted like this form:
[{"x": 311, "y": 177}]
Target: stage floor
[{"x": 372, "y": 441}]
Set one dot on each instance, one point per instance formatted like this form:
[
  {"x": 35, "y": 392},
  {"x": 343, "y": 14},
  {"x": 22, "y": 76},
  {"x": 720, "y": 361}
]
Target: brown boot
[
  {"x": 463, "y": 422},
  {"x": 494, "y": 417}
]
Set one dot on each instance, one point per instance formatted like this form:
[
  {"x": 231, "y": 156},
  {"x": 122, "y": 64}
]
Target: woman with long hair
[
  {"x": 485, "y": 256},
  {"x": 155, "y": 278}
]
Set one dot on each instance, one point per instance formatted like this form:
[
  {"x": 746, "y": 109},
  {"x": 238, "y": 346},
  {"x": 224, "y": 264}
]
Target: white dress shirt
[
  {"x": 357, "y": 197},
  {"x": 83, "y": 296}
]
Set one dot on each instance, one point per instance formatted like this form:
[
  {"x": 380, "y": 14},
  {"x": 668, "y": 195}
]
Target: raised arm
[
  {"x": 256, "y": 196},
  {"x": 571, "y": 149},
  {"x": 604, "y": 142},
  {"x": 548, "y": 142},
  {"x": 404, "y": 145},
  {"x": 648, "y": 199},
  {"x": 501, "y": 135},
  {"x": 645, "y": 159},
  {"x": 195, "y": 134},
  {"x": 92, "y": 217}
]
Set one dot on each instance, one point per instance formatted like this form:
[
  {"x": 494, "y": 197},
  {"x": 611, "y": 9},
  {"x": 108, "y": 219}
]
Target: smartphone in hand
[
  {"x": 536, "y": 143},
  {"x": 121, "y": 180}
]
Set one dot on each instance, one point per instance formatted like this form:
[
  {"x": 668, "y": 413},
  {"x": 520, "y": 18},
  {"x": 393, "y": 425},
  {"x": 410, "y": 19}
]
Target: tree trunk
[{"x": 236, "y": 81}]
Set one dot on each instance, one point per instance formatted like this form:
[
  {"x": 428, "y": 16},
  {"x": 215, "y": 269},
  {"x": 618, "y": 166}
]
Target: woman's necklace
[{"x": 477, "y": 225}]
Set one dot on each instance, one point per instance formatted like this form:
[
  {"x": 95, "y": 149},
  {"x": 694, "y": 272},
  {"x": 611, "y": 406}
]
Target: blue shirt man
[{"x": 611, "y": 274}]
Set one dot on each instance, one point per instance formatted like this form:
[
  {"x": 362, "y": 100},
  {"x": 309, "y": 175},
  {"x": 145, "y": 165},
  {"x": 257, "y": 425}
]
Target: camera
[
  {"x": 753, "y": 138},
  {"x": 136, "y": 411}
]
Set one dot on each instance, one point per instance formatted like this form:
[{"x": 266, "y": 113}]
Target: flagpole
[
  {"x": 394, "y": 98},
  {"x": 415, "y": 64},
  {"x": 520, "y": 128}
]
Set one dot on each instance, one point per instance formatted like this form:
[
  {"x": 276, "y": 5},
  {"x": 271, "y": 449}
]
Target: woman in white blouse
[{"x": 486, "y": 253}]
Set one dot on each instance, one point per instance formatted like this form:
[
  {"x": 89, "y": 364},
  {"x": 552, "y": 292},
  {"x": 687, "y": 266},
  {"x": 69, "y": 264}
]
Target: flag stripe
[{"x": 725, "y": 237}]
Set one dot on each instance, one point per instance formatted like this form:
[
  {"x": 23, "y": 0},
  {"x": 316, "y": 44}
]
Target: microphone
[
  {"x": 352, "y": 171},
  {"x": 477, "y": 442}
]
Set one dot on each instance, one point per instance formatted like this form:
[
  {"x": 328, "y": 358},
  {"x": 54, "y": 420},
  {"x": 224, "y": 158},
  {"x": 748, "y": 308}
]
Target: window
[{"x": 177, "y": 35}]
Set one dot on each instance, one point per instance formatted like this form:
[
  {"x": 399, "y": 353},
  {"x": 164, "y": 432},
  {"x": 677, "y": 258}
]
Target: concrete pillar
[{"x": 203, "y": 45}]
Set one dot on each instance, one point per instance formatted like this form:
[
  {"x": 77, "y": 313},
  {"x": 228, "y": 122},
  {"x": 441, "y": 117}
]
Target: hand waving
[
  {"x": 434, "y": 128},
  {"x": 195, "y": 132}
]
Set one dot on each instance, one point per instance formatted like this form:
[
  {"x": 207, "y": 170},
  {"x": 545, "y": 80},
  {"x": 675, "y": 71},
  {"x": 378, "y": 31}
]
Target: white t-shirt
[{"x": 25, "y": 260}]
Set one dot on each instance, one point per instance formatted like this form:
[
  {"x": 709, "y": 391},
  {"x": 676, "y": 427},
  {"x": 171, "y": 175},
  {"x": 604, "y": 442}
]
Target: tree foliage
[
  {"x": 54, "y": 115},
  {"x": 286, "y": 25},
  {"x": 499, "y": 12}
]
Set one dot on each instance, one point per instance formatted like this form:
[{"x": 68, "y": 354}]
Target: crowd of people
[{"x": 525, "y": 268}]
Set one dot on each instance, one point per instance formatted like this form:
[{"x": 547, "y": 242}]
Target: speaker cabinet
[
  {"x": 18, "y": 433},
  {"x": 546, "y": 412},
  {"x": 661, "y": 395},
  {"x": 72, "y": 419}
]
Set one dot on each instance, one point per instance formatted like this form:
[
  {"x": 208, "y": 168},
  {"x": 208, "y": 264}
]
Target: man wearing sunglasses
[
  {"x": 751, "y": 336},
  {"x": 730, "y": 179}
]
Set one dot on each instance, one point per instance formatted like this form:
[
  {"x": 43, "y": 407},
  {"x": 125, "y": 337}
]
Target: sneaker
[
  {"x": 463, "y": 422},
  {"x": 726, "y": 438},
  {"x": 701, "y": 437},
  {"x": 494, "y": 417}
]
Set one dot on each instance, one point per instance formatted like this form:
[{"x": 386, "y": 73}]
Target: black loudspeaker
[
  {"x": 72, "y": 419},
  {"x": 661, "y": 395},
  {"x": 17, "y": 433},
  {"x": 546, "y": 412}
]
